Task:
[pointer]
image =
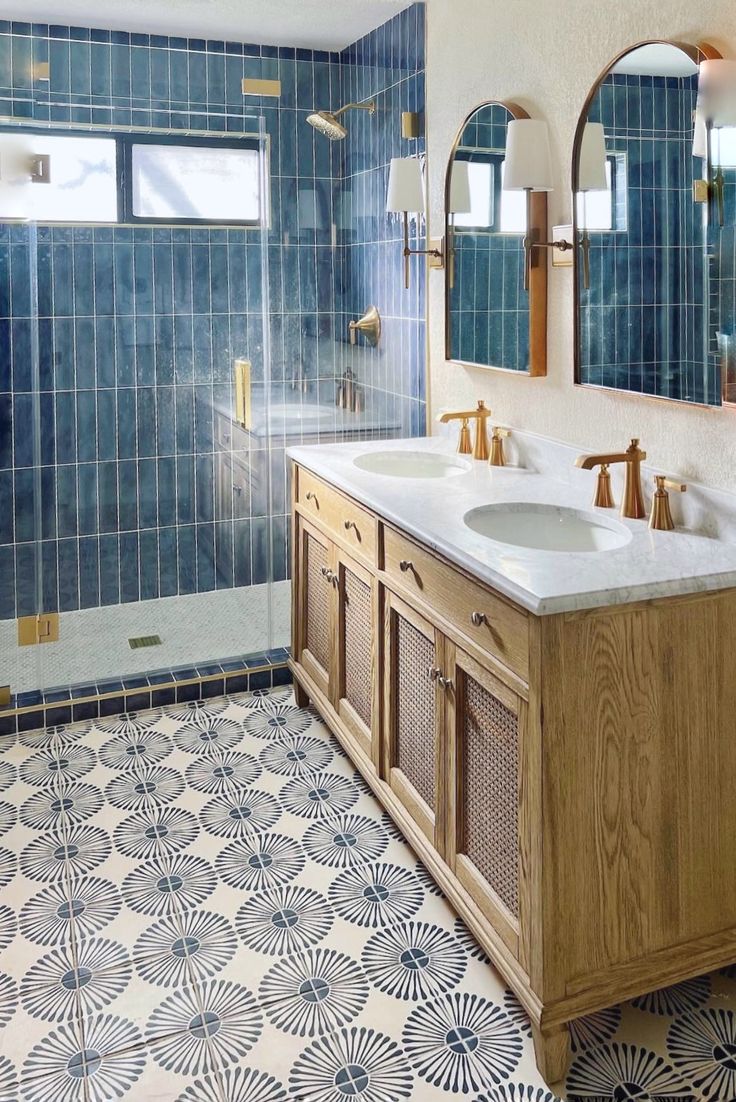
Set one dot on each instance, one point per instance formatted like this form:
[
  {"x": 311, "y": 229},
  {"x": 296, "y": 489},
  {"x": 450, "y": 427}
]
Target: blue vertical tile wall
[
  {"x": 644, "y": 317},
  {"x": 386, "y": 66},
  {"x": 138, "y": 326}
]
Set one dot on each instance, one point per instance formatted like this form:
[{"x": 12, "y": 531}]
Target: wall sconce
[
  {"x": 406, "y": 196},
  {"x": 459, "y": 202},
  {"x": 715, "y": 110},
  {"x": 528, "y": 167},
  {"x": 592, "y": 161}
]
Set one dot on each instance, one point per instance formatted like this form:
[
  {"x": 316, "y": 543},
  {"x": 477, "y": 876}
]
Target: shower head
[{"x": 327, "y": 123}]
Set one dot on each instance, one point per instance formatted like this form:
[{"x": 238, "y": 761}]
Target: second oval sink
[
  {"x": 406, "y": 464},
  {"x": 547, "y": 527}
]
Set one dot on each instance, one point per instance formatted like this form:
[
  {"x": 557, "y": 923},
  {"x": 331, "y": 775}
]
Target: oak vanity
[{"x": 557, "y": 747}]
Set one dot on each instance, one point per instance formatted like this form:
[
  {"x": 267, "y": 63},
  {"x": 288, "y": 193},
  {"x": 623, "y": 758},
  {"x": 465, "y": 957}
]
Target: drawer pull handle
[
  {"x": 445, "y": 683},
  {"x": 478, "y": 618},
  {"x": 405, "y": 565},
  {"x": 311, "y": 496},
  {"x": 434, "y": 673},
  {"x": 351, "y": 524},
  {"x": 326, "y": 573}
]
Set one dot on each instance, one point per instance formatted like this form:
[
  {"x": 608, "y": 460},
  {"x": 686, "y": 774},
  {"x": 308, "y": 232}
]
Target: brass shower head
[{"x": 327, "y": 123}]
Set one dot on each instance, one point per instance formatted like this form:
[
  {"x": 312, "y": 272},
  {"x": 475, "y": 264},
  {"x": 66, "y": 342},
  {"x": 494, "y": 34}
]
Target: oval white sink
[
  {"x": 401, "y": 464},
  {"x": 547, "y": 527}
]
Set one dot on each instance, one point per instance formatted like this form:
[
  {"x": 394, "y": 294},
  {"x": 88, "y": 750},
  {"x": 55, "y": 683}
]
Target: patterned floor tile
[{"x": 206, "y": 904}]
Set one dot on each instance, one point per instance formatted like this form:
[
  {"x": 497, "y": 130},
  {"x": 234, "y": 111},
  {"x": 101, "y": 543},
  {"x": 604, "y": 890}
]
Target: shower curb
[{"x": 59, "y": 706}]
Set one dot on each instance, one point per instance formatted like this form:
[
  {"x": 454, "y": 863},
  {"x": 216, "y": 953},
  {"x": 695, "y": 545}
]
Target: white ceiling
[
  {"x": 657, "y": 59},
  {"x": 312, "y": 24}
]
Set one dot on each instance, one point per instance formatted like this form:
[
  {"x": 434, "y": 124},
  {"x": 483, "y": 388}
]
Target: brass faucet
[
  {"x": 632, "y": 505},
  {"x": 481, "y": 415}
]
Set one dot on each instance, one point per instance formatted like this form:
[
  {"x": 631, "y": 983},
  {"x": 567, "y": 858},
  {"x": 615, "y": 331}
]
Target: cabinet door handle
[
  {"x": 478, "y": 618},
  {"x": 351, "y": 524},
  {"x": 311, "y": 496},
  {"x": 405, "y": 565},
  {"x": 445, "y": 682},
  {"x": 326, "y": 573},
  {"x": 434, "y": 673},
  {"x": 335, "y": 581}
]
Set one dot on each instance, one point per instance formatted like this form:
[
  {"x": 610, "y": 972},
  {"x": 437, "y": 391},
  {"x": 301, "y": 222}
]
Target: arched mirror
[
  {"x": 495, "y": 317},
  {"x": 654, "y": 289}
]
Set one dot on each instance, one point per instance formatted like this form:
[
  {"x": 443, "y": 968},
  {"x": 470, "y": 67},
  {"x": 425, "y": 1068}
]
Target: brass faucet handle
[
  {"x": 465, "y": 443},
  {"x": 660, "y": 518},
  {"x": 669, "y": 484},
  {"x": 603, "y": 494},
  {"x": 498, "y": 457}
]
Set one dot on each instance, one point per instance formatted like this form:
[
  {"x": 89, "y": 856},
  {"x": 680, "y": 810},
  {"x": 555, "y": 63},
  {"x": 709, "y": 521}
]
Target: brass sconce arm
[{"x": 409, "y": 252}]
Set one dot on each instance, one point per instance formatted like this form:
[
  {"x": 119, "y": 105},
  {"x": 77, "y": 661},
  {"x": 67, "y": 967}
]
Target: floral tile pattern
[{"x": 206, "y": 904}]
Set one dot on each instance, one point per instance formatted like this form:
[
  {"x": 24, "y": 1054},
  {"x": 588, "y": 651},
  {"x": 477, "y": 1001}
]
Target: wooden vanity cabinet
[
  {"x": 567, "y": 779},
  {"x": 333, "y": 631}
]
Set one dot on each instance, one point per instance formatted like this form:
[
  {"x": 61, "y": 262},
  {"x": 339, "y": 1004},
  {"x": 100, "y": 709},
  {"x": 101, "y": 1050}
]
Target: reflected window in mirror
[
  {"x": 491, "y": 319},
  {"x": 644, "y": 243}
]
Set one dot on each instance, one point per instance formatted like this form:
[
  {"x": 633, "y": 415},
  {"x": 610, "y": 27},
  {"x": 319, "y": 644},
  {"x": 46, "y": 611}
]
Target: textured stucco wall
[{"x": 545, "y": 56}]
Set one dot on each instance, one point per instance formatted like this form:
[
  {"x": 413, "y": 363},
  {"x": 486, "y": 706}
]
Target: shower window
[
  {"x": 192, "y": 183},
  {"x": 127, "y": 178}
]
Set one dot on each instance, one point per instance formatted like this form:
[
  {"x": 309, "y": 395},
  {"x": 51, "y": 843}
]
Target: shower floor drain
[{"x": 144, "y": 641}]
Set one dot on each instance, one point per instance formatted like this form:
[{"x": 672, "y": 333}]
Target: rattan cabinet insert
[{"x": 567, "y": 779}]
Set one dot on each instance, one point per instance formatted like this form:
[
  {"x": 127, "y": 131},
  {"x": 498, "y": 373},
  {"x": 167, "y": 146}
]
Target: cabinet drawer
[
  {"x": 353, "y": 526},
  {"x": 472, "y": 609}
]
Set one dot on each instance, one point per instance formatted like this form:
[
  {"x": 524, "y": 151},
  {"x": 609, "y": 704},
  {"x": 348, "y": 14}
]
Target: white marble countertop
[{"x": 651, "y": 564}]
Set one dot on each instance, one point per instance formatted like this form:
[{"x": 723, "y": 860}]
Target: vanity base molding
[{"x": 568, "y": 780}]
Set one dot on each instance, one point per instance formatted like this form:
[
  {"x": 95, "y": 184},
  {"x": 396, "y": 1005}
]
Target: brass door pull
[
  {"x": 434, "y": 673},
  {"x": 327, "y": 573},
  {"x": 405, "y": 565},
  {"x": 311, "y": 496},
  {"x": 477, "y": 619},
  {"x": 445, "y": 683},
  {"x": 351, "y": 524}
]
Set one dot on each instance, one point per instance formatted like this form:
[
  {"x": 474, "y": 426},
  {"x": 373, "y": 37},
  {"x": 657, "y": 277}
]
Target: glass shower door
[{"x": 145, "y": 498}]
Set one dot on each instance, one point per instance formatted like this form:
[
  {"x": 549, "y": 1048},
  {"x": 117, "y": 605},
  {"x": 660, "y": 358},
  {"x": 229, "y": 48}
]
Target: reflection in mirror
[
  {"x": 642, "y": 295},
  {"x": 492, "y": 321}
]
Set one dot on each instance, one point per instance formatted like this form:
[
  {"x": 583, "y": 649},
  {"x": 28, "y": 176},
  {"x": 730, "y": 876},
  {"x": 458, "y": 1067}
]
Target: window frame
[{"x": 124, "y": 142}]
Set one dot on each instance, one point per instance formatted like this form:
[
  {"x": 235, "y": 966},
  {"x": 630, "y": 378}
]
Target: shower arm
[{"x": 370, "y": 106}]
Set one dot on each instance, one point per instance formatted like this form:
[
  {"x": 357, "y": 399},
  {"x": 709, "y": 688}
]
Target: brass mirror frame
[
  {"x": 537, "y": 227},
  {"x": 702, "y": 51}
]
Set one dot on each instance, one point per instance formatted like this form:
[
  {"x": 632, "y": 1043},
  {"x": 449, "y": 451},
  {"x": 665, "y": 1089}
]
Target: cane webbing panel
[
  {"x": 415, "y": 709},
  {"x": 318, "y": 608},
  {"x": 490, "y": 795},
  {"x": 357, "y": 643}
]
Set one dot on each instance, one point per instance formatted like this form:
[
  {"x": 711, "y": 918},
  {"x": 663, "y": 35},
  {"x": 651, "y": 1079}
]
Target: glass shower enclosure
[{"x": 136, "y": 489}]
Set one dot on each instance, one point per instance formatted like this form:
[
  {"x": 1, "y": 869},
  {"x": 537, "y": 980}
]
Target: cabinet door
[
  {"x": 485, "y": 721},
  {"x": 413, "y": 745},
  {"x": 356, "y": 650},
  {"x": 316, "y": 593}
]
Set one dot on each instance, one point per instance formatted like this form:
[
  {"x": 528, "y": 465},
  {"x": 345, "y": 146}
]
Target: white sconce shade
[
  {"x": 592, "y": 159},
  {"x": 460, "y": 189},
  {"x": 717, "y": 91},
  {"x": 405, "y": 186},
  {"x": 528, "y": 156},
  {"x": 700, "y": 135}
]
